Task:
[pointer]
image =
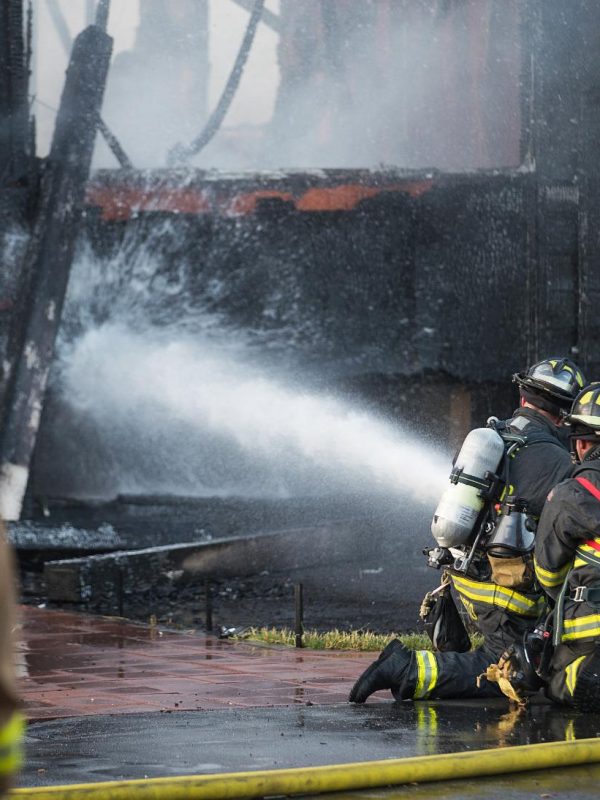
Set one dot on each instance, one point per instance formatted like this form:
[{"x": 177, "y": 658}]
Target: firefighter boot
[
  {"x": 385, "y": 673},
  {"x": 586, "y": 695}
]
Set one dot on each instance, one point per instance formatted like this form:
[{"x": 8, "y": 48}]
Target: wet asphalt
[{"x": 88, "y": 749}]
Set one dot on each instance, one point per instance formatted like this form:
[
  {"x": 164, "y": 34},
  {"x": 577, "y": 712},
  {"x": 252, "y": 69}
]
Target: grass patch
[{"x": 342, "y": 640}]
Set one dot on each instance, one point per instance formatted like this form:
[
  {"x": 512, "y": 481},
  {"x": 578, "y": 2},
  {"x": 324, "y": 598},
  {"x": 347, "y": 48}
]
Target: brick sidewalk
[{"x": 75, "y": 665}]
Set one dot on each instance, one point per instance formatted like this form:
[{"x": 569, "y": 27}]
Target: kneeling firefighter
[
  {"x": 484, "y": 525},
  {"x": 567, "y": 563}
]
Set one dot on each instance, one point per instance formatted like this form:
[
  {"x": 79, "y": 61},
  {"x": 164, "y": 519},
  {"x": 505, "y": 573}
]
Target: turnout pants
[
  {"x": 575, "y": 675},
  {"x": 437, "y": 676}
]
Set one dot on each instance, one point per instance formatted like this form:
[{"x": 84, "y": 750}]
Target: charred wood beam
[
  {"x": 270, "y": 19},
  {"x": 64, "y": 34},
  {"x": 14, "y": 115},
  {"x": 102, "y": 14},
  {"x": 50, "y": 253},
  {"x": 114, "y": 144}
]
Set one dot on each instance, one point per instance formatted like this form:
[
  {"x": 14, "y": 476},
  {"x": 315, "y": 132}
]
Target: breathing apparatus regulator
[{"x": 471, "y": 514}]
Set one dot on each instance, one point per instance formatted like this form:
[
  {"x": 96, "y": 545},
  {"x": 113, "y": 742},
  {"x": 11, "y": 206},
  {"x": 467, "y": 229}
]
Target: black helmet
[
  {"x": 551, "y": 384},
  {"x": 584, "y": 417}
]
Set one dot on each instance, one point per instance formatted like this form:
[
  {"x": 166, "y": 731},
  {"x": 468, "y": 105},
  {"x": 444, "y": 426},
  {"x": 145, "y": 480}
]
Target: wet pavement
[
  {"x": 108, "y": 747},
  {"x": 108, "y": 699},
  {"x": 77, "y": 664}
]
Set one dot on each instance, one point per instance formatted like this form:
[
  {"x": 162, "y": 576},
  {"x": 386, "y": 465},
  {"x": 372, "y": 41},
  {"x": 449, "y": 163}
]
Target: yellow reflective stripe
[
  {"x": 571, "y": 672},
  {"x": 587, "y": 555},
  {"x": 551, "y": 578},
  {"x": 589, "y": 552},
  {"x": 427, "y": 674},
  {"x": 11, "y": 744},
  {"x": 498, "y": 596},
  {"x": 581, "y": 627}
]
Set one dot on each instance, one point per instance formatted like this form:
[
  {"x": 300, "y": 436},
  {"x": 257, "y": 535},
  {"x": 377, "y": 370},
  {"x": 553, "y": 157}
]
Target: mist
[
  {"x": 336, "y": 84},
  {"x": 151, "y": 392}
]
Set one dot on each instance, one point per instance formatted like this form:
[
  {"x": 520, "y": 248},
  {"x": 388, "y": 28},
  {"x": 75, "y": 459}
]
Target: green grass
[{"x": 341, "y": 640}]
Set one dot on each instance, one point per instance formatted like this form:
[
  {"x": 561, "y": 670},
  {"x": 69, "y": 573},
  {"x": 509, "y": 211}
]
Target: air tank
[{"x": 460, "y": 505}]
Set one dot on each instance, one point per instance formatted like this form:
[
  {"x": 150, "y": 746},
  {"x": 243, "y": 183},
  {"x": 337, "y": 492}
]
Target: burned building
[{"x": 411, "y": 248}]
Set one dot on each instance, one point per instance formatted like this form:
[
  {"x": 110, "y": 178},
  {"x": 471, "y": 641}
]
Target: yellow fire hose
[{"x": 334, "y": 778}]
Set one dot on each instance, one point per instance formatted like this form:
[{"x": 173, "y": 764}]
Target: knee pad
[{"x": 586, "y": 696}]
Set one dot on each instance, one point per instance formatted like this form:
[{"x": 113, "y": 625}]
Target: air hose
[
  {"x": 181, "y": 153},
  {"x": 334, "y": 778}
]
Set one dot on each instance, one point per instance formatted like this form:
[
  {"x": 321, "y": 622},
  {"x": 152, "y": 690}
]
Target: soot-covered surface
[
  {"x": 375, "y": 578},
  {"x": 101, "y": 748}
]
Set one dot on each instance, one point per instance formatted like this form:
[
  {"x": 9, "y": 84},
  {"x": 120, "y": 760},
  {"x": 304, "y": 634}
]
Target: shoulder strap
[
  {"x": 589, "y": 486},
  {"x": 593, "y": 490},
  {"x": 540, "y": 437}
]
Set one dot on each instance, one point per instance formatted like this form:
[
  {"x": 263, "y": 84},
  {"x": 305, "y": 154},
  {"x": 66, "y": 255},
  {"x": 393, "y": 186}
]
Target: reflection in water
[{"x": 448, "y": 727}]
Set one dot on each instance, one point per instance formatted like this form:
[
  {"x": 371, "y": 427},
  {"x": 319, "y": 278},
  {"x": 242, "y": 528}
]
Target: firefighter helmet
[
  {"x": 551, "y": 384},
  {"x": 584, "y": 417}
]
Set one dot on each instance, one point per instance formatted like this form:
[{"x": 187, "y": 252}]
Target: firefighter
[
  {"x": 567, "y": 563},
  {"x": 11, "y": 720},
  {"x": 498, "y": 589}
]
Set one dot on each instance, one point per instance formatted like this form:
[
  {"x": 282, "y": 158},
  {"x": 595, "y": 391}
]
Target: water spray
[{"x": 137, "y": 387}]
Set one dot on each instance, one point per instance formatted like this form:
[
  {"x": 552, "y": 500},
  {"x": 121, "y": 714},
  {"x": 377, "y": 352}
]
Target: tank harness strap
[
  {"x": 458, "y": 476},
  {"x": 589, "y": 486},
  {"x": 587, "y": 594},
  {"x": 559, "y": 612}
]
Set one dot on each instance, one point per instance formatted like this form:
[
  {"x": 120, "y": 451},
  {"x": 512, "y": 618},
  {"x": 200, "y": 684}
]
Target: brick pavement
[{"x": 75, "y": 664}]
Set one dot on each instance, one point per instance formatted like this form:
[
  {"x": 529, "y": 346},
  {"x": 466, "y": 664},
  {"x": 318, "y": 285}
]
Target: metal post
[
  {"x": 209, "y": 607},
  {"x": 120, "y": 582},
  {"x": 299, "y": 608}
]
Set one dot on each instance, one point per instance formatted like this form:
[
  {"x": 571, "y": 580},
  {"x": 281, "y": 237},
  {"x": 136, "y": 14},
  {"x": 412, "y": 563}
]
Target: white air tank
[{"x": 459, "y": 506}]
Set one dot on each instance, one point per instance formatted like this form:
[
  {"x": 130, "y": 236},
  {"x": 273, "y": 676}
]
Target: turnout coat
[{"x": 568, "y": 544}]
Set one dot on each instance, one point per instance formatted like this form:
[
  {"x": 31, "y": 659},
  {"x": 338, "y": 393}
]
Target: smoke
[
  {"x": 353, "y": 85},
  {"x": 338, "y": 84}
]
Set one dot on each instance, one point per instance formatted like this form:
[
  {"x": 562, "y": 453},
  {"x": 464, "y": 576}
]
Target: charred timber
[
  {"x": 49, "y": 255},
  {"x": 14, "y": 113}
]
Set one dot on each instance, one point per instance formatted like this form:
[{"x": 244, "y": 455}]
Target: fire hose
[{"x": 332, "y": 778}]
